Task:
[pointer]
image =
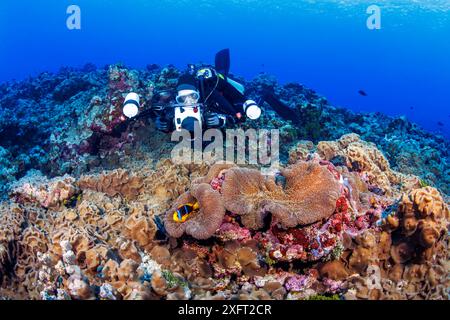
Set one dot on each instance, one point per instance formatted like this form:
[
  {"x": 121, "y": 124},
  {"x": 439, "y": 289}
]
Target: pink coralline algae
[
  {"x": 297, "y": 283},
  {"x": 230, "y": 230},
  {"x": 47, "y": 193}
]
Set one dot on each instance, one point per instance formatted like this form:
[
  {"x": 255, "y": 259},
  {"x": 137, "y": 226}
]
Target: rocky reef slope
[
  {"x": 359, "y": 210},
  {"x": 66, "y": 123}
]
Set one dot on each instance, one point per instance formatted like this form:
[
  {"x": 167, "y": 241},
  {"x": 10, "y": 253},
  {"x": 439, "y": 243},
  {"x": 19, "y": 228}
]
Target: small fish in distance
[{"x": 362, "y": 93}]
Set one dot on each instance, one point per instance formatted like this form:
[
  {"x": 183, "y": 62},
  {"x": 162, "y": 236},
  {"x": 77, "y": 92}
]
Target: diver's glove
[
  {"x": 214, "y": 120},
  {"x": 252, "y": 110},
  {"x": 162, "y": 124}
]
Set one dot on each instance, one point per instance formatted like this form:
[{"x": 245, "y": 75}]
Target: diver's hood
[
  {"x": 187, "y": 82},
  {"x": 184, "y": 87}
]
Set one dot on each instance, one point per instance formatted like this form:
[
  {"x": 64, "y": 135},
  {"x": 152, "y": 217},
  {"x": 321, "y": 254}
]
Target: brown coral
[
  {"x": 12, "y": 219},
  {"x": 334, "y": 270},
  {"x": 128, "y": 250},
  {"x": 244, "y": 191},
  {"x": 364, "y": 157},
  {"x": 423, "y": 217},
  {"x": 237, "y": 258},
  {"x": 193, "y": 266},
  {"x": 310, "y": 195},
  {"x": 170, "y": 180},
  {"x": 203, "y": 223},
  {"x": 367, "y": 252},
  {"x": 140, "y": 229},
  {"x": 117, "y": 182},
  {"x": 402, "y": 252},
  {"x": 301, "y": 151},
  {"x": 95, "y": 257},
  {"x": 102, "y": 241},
  {"x": 161, "y": 255}
]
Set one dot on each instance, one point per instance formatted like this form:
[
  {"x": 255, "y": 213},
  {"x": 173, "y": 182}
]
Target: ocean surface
[{"x": 403, "y": 68}]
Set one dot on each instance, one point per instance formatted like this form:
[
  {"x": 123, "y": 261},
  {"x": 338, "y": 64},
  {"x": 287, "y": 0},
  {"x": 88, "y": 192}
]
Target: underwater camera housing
[
  {"x": 188, "y": 112},
  {"x": 187, "y": 117}
]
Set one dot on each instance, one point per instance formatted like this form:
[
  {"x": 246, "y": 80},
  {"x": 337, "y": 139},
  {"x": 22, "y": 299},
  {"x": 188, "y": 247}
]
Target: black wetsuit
[
  {"x": 216, "y": 93},
  {"x": 221, "y": 97}
]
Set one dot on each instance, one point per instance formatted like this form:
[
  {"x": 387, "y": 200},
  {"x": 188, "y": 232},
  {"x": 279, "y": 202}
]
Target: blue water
[{"x": 404, "y": 67}]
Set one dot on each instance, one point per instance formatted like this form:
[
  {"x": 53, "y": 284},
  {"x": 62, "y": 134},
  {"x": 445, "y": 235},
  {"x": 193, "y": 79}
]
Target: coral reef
[
  {"x": 407, "y": 147},
  {"x": 309, "y": 195},
  {"x": 118, "y": 182},
  {"x": 105, "y": 245},
  {"x": 35, "y": 187},
  {"x": 85, "y": 130},
  {"x": 203, "y": 223},
  {"x": 423, "y": 218},
  {"x": 359, "y": 209},
  {"x": 366, "y": 159}
]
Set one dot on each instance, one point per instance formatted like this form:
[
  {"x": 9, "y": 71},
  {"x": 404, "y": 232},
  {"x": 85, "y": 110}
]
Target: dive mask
[{"x": 187, "y": 97}]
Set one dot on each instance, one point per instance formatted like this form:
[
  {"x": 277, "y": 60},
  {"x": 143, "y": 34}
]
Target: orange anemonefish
[{"x": 184, "y": 211}]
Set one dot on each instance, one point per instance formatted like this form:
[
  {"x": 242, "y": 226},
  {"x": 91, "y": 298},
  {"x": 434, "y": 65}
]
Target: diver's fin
[
  {"x": 279, "y": 107},
  {"x": 222, "y": 62}
]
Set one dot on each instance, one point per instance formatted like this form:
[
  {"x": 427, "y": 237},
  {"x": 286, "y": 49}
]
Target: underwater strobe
[
  {"x": 252, "y": 110},
  {"x": 131, "y": 105}
]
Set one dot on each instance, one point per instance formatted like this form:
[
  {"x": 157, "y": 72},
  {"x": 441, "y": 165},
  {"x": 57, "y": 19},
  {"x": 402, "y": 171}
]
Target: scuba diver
[{"x": 206, "y": 97}]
